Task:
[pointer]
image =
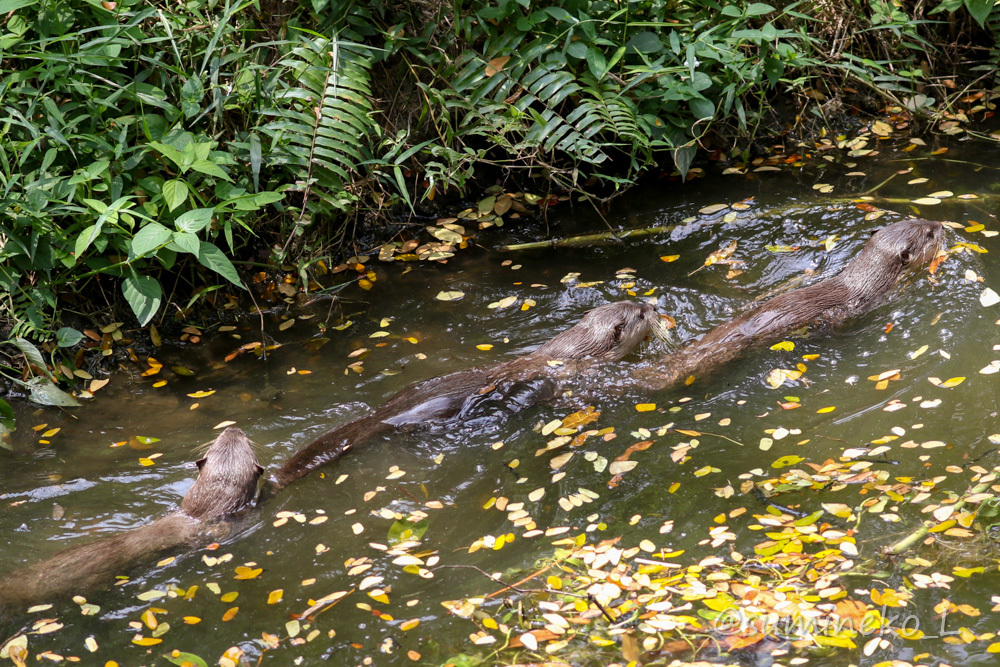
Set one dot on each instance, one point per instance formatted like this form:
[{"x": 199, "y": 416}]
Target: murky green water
[{"x": 79, "y": 487}]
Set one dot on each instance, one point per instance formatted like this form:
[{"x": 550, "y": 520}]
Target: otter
[
  {"x": 885, "y": 258},
  {"x": 226, "y": 484},
  {"x": 606, "y": 333}
]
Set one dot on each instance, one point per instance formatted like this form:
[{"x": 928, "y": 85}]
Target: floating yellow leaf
[
  {"x": 777, "y": 377},
  {"x": 786, "y": 461},
  {"x": 927, "y": 201},
  {"x": 450, "y": 295},
  {"x": 192, "y": 620},
  {"x": 409, "y": 625},
  {"x": 146, "y": 641},
  {"x": 484, "y": 347},
  {"x": 714, "y": 208},
  {"x": 670, "y": 258},
  {"x": 645, "y": 407},
  {"x": 505, "y": 302},
  {"x": 230, "y": 614},
  {"x": 202, "y": 394},
  {"x": 825, "y": 410},
  {"x": 952, "y": 382},
  {"x": 275, "y": 596},
  {"x": 785, "y": 345}
]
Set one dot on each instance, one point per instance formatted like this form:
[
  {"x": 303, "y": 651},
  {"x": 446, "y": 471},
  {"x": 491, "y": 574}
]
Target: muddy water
[{"x": 79, "y": 485}]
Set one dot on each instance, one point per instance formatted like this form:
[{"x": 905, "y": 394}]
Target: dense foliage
[{"x": 145, "y": 148}]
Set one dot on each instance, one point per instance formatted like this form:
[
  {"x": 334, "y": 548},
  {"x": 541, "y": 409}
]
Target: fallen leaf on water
[{"x": 452, "y": 295}]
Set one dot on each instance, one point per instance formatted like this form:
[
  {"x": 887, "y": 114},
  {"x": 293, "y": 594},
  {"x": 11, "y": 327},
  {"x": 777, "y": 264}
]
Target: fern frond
[{"x": 323, "y": 125}]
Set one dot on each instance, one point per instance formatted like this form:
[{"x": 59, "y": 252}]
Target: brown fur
[
  {"x": 226, "y": 483},
  {"x": 607, "y": 333},
  {"x": 227, "y": 480},
  {"x": 889, "y": 253}
]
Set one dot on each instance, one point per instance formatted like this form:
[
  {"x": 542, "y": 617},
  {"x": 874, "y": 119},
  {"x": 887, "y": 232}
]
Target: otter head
[
  {"x": 889, "y": 253},
  {"x": 608, "y": 332},
  {"x": 913, "y": 242},
  {"x": 227, "y": 477}
]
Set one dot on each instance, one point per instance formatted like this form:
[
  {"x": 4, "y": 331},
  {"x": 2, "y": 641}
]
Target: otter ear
[{"x": 200, "y": 463}]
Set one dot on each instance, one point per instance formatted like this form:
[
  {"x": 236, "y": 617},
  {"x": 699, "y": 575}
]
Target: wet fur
[
  {"x": 606, "y": 333},
  {"x": 227, "y": 482},
  {"x": 889, "y": 253}
]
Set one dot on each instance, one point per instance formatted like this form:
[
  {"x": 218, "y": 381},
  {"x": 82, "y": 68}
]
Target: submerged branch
[
  {"x": 589, "y": 239},
  {"x": 925, "y": 528}
]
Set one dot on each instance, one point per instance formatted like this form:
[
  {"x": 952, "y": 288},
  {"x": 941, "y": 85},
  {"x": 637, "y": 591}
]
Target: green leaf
[
  {"x": 144, "y": 295},
  {"x": 175, "y": 193},
  {"x": 182, "y": 658},
  {"x": 596, "y": 62},
  {"x": 979, "y": 9},
  {"x": 187, "y": 242},
  {"x": 401, "y": 531},
  {"x": 6, "y": 415},
  {"x": 645, "y": 42},
  {"x": 7, "y": 423},
  {"x": 149, "y": 238},
  {"x": 194, "y": 220},
  {"x": 759, "y": 9},
  {"x": 170, "y": 153},
  {"x": 68, "y": 337},
  {"x": 32, "y": 354},
  {"x": 210, "y": 168},
  {"x": 683, "y": 157},
  {"x": 7, "y": 6},
  {"x": 702, "y": 108},
  {"x": 212, "y": 258},
  {"x": 84, "y": 240},
  {"x": 44, "y": 392},
  {"x": 577, "y": 50}
]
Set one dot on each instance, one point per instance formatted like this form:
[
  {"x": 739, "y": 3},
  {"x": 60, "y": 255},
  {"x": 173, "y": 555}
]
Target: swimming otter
[
  {"x": 227, "y": 483},
  {"x": 887, "y": 255},
  {"x": 606, "y": 333}
]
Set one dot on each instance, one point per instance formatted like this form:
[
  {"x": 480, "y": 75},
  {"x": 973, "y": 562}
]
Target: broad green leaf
[
  {"x": 7, "y": 6},
  {"x": 44, "y": 392},
  {"x": 758, "y": 9},
  {"x": 979, "y": 9},
  {"x": 182, "y": 658},
  {"x": 187, "y": 242},
  {"x": 175, "y": 193},
  {"x": 645, "y": 42},
  {"x": 194, "y": 220},
  {"x": 170, "y": 153},
  {"x": 149, "y": 238},
  {"x": 6, "y": 415},
  {"x": 68, "y": 337},
  {"x": 144, "y": 295},
  {"x": 85, "y": 238},
  {"x": 212, "y": 258},
  {"x": 31, "y": 353},
  {"x": 210, "y": 168},
  {"x": 402, "y": 531}
]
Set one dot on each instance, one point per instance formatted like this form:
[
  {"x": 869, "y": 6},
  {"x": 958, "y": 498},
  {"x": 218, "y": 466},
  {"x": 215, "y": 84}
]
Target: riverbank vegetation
[{"x": 150, "y": 150}]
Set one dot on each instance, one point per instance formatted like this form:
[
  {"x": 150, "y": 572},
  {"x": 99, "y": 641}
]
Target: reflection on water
[{"x": 337, "y": 525}]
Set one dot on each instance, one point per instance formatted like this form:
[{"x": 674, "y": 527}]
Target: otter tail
[{"x": 328, "y": 448}]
